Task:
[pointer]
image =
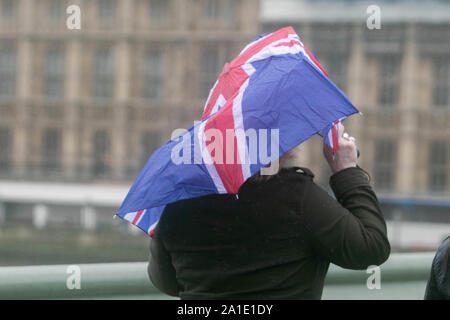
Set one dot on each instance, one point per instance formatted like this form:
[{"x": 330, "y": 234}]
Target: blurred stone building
[
  {"x": 92, "y": 104},
  {"x": 84, "y": 107},
  {"x": 398, "y": 76}
]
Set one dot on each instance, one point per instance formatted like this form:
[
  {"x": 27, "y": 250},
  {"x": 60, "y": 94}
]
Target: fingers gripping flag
[
  {"x": 273, "y": 96},
  {"x": 330, "y": 134}
]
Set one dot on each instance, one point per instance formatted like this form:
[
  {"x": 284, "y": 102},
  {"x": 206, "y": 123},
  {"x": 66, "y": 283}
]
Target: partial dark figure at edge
[{"x": 438, "y": 287}]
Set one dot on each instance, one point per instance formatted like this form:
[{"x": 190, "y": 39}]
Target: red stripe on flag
[
  {"x": 261, "y": 44},
  {"x": 335, "y": 138},
  {"x": 316, "y": 62},
  {"x": 234, "y": 76},
  {"x": 289, "y": 43},
  {"x": 230, "y": 173},
  {"x": 228, "y": 84},
  {"x": 138, "y": 215}
]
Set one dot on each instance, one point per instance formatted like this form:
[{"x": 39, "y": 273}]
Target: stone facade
[{"x": 92, "y": 104}]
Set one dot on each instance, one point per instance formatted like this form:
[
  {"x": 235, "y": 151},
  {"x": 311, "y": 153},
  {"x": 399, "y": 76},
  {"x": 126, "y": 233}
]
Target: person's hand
[{"x": 346, "y": 156}]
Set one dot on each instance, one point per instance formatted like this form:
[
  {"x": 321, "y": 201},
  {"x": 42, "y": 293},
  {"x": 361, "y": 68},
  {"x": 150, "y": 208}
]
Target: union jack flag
[{"x": 275, "y": 84}]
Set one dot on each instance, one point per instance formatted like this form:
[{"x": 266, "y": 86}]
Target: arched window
[
  {"x": 7, "y": 72},
  {"x": 51, "y": 150},
  {"x": 385, "y": 163},
  {"x": 54, "y": 68},
  {"x": 5, "y": 149},
  {"x": 103, "y": 82},
  {"x": 438, "y": 166},
  {"x": 153, "y": 84},
  {"x": 101, "y": 149},
  {"x": 149, "y": 142}
]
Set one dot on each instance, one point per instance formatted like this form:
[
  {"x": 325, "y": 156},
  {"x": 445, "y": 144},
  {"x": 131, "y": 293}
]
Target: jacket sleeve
[
  {"x": 349, "y": 231},
  {"x": 438, "y": 286},
  {"x": 160, "y": 269},
  {"x": 432, "y": 291}
]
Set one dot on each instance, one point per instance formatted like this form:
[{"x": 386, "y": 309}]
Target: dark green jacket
[
  {"x": 438, "y": 286},
  {"x": 274, "y": 241}
]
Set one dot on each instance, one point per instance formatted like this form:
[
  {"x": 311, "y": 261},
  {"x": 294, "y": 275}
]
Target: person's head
[{"x": 288, "y": 159}]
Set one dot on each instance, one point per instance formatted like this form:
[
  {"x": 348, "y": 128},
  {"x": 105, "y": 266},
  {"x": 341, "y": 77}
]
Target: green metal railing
[{"x": 403, "y": 276}]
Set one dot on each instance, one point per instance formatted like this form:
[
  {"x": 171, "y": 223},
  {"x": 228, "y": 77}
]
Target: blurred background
[{"x": 82, "y": 110}]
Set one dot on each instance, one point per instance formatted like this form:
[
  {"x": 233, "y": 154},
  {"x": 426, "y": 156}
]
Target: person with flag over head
[
  {"x": 229, "y": 229},
  {"x": 276, "y": 239}
]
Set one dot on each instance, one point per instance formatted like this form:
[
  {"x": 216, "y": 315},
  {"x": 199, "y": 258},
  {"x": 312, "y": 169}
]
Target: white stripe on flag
[
  {"x": 130, "y": 216},
  {"x": 153, "y": 226},
  {"x": 271, "y": 50},
  {"x": 140, "y": 218},
  {"x": 330, "y": 138},
  {"x": 239, "y": 126},
  {"x": 219, "y": 104},
  {"x": 208, "y": 161}
]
